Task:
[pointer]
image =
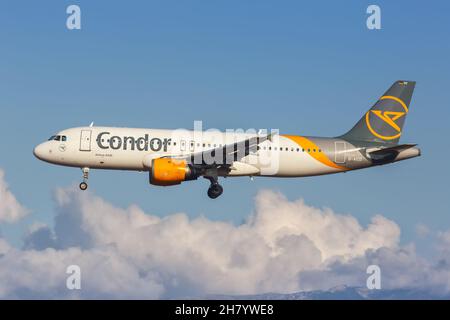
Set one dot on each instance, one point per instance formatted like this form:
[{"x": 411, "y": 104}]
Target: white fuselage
[{"x": 134, "y": 149}]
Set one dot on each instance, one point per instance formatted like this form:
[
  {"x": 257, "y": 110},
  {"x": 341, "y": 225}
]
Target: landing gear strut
[
  {"x": 215, "y": 189},
  {"x": 84, "y": 185}
]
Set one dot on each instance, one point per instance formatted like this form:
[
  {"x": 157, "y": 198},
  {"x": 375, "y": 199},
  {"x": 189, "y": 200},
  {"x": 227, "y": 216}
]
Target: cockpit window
[{"x": 58, "y": 138}]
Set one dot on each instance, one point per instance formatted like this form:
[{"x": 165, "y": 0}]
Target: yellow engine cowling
[{"x": 169, "y": 172}]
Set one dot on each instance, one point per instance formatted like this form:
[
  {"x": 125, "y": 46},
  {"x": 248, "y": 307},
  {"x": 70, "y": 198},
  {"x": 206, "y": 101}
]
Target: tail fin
[{"x": 383, "y": 123}]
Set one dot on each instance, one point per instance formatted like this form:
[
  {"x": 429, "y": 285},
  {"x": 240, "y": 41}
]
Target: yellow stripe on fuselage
[{"x": 307, "y": 144}]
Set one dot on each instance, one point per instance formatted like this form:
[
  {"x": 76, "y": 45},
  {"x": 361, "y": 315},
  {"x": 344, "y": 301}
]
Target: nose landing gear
[
  {"x": 215, "y": 189},
  {"x": 84, "y": 185}
]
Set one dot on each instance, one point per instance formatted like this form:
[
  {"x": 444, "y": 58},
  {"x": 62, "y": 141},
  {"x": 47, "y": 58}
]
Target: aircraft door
[
  {"x": 339, "y": 154},
  {"x": 85, "y": 140}
]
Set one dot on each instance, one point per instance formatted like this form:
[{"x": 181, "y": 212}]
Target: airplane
[{"x": 171, "y": 157}]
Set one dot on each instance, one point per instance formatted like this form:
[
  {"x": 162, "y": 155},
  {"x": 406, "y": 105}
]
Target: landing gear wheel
[
  {"x": 83, "y": 186},
  {"x": 215, "y": 190}
]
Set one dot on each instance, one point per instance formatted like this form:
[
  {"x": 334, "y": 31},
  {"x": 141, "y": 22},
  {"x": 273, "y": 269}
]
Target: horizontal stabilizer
[
  {"x": 390, "y": 154},
  {"x": 390, "y": 150}
]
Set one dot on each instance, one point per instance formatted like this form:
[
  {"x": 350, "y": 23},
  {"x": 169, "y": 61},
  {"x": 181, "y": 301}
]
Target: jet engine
[{"x": 169, "y": 172}]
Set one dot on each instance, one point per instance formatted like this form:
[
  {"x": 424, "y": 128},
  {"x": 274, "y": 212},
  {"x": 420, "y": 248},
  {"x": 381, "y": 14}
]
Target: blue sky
[{"x": 310, "y": 69}]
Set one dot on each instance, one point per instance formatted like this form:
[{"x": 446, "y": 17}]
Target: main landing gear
[
  {"x": 84, "y": 185},
  {"x": 215, "y": 189}
]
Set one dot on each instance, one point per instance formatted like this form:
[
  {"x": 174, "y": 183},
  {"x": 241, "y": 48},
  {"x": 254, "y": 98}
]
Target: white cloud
[
  {"x": 285, "y": 246},
  {"x": 10, "y": 209},
  {"x": 333, "y": 234},
  {"x": 445, "y": 238},
  {"x": 4, "y": 246}
]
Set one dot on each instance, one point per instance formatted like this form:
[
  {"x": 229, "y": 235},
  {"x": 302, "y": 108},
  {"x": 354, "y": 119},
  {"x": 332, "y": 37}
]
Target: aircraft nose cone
[{"x": 39, "y": 152}]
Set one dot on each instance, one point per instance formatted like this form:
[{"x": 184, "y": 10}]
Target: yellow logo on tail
[{"x": 390, "y": 117}]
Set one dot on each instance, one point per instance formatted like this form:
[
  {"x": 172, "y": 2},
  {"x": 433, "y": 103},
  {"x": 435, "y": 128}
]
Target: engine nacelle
[{"x": 169, "y": 172}]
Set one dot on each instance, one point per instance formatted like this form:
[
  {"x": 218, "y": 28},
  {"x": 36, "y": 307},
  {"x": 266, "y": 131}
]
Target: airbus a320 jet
[{"x": 174, "y": 156}]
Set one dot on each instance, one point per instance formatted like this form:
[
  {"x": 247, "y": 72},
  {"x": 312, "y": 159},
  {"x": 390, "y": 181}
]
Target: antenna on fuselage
[{"x": 91, "y": 125}]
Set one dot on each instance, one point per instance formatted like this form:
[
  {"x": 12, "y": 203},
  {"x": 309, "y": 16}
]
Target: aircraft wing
[{"x": 227, "y": 154}]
